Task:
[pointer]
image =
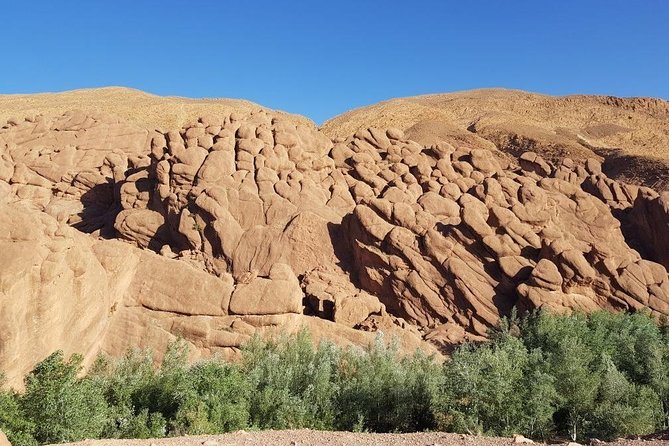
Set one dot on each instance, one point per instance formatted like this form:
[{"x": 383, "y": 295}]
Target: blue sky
[{"x": 321, "y": 58}]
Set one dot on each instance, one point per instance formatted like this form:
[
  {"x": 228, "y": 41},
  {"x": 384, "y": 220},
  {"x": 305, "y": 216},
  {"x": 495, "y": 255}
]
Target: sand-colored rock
[
  {"x": 140, "y": 108},
  {"x": 53, "y": 292},
  {"x": 3, "y": 440},
  {"x": 115, "y": 233},
  {"x": 630, "y": 134},
  {"x": 517, "y": 236}
]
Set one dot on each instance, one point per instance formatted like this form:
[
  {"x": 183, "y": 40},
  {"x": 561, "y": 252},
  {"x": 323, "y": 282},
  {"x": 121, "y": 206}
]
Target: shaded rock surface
[{"x": 113, "y": 235}]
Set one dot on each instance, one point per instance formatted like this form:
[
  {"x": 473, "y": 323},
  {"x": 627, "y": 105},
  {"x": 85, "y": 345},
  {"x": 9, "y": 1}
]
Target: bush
[
  {"x": 13, "y": 421},
  {"x": 623, "y": 408},
  {"x": 498, "y": 388},
  {"x": 380, "y": 391},
  {"x": 124, "y": 382},
  {"x": 602, "y": 363},
  {"x": 61, "y": 406},
  {"x": 602, "y": 375},
  {"x": 292, "y": 384},
  {"x": 217, "y": 401}
]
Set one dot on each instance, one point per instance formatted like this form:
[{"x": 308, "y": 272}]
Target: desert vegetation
[{"x": 545, "y": 376}]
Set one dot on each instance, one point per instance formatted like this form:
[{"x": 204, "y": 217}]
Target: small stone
[
  {"x": 394, "y": 133},
  {"x": 521, "y": 439},
  {"x": 3, "y": 440},
  {"x": 211, "y": 443}
]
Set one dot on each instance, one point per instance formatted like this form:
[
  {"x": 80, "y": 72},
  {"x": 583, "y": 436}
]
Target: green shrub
[
  {"x": 381, "y": 391},
  {"x": 291, "y": 383},
  {"x": 623, "y": 408},
  {"x": 61, "y": 406},
  {"x": 169, "y": 390},
  {"x": 13, "y": 422},
  {"x": 601, "y": 375},
  {"x": 218, "y": 401},
  {"x": 589, "y": 355},
  {"x": 124, "y": 382},
  {"x": 498, "y": 388}
]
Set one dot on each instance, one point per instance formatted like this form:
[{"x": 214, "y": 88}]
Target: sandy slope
[
  {"x": 135, "y": 106},
  {"x": 317, "y": 438}
]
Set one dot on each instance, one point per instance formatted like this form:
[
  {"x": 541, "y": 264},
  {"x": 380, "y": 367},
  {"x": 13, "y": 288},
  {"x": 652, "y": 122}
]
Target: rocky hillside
[
  {"x": 132, "y": 106},
  {"x": 218, "y": 220},
  {"x": 630, "y": 135}
]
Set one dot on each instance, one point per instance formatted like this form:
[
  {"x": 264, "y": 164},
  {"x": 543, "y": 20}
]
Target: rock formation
[
  {"x": 3, "y": 440},
  {"x": 116, "y": 235},
  {"x": 630, "y": 135}
]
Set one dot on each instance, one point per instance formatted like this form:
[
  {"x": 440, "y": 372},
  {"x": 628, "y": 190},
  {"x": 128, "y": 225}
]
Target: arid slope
[
  {"x": 307, "y": 437},
  {"x": 127, "y": 220},
  {"x": 631, "y": 134},
  {"x": 133, "y": 106}
]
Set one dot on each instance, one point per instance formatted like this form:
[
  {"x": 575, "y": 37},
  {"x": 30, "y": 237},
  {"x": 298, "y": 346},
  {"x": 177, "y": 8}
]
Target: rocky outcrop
[
  {"x": 444, "y": 235},
  {"x": 248, "y": 192},
  {"x": 241, "y": 224},
  {"x": 3, "y": 440},
  {"x": 630, "y": 134},
  {"x": 218, "y": 238},
  {"x": 54, "y": 293},
  {"x": 648, "y": 221},
  {"x": 61, "y": 289}
]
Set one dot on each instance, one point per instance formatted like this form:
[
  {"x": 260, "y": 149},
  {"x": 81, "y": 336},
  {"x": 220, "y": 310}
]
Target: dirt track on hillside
[{"x": 318, "y": 438}]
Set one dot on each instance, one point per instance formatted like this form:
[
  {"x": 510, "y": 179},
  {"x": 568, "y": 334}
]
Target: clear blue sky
[{"x": 320, "y": 58}]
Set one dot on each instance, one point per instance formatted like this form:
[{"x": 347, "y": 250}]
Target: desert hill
[
  {"x": 128, "y": 219},
  {"x": 631, "y": 135},
  {"x": 133, "y": 106}
]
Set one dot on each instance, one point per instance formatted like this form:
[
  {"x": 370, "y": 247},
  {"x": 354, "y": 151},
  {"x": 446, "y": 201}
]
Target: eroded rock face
[
  {"x": 70, "y": 166},
  {"x": 113, "y": 236},
  {"x": 249, "y": 192},
  {"x": 223, "y": 219},
  {"x": 54, "y": 294},
  {"x": 648, "y": 220},
  {"x": 446, "y": 236}
]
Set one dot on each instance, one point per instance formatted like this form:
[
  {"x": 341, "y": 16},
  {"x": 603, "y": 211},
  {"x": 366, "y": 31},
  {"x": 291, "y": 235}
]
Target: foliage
[
  {"x": 381, "y": 391},
  {"x": 13, "y": 421},
  {"x": 605, "y": 365},
  {"x": 602, "y": 375},
  {"x": 62, "y": 406},
  {"x": 498, "y": 388},
  {"x": 124, "y": 383},
  {"x": 293, "y": 383}
]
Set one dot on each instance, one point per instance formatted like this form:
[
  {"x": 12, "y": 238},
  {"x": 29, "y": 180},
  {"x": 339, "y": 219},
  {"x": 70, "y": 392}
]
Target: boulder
[{"x": 279, "y": 293}]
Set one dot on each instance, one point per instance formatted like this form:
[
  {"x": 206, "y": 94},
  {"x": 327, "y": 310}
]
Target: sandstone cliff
[{"x": 118, "y": 233}]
